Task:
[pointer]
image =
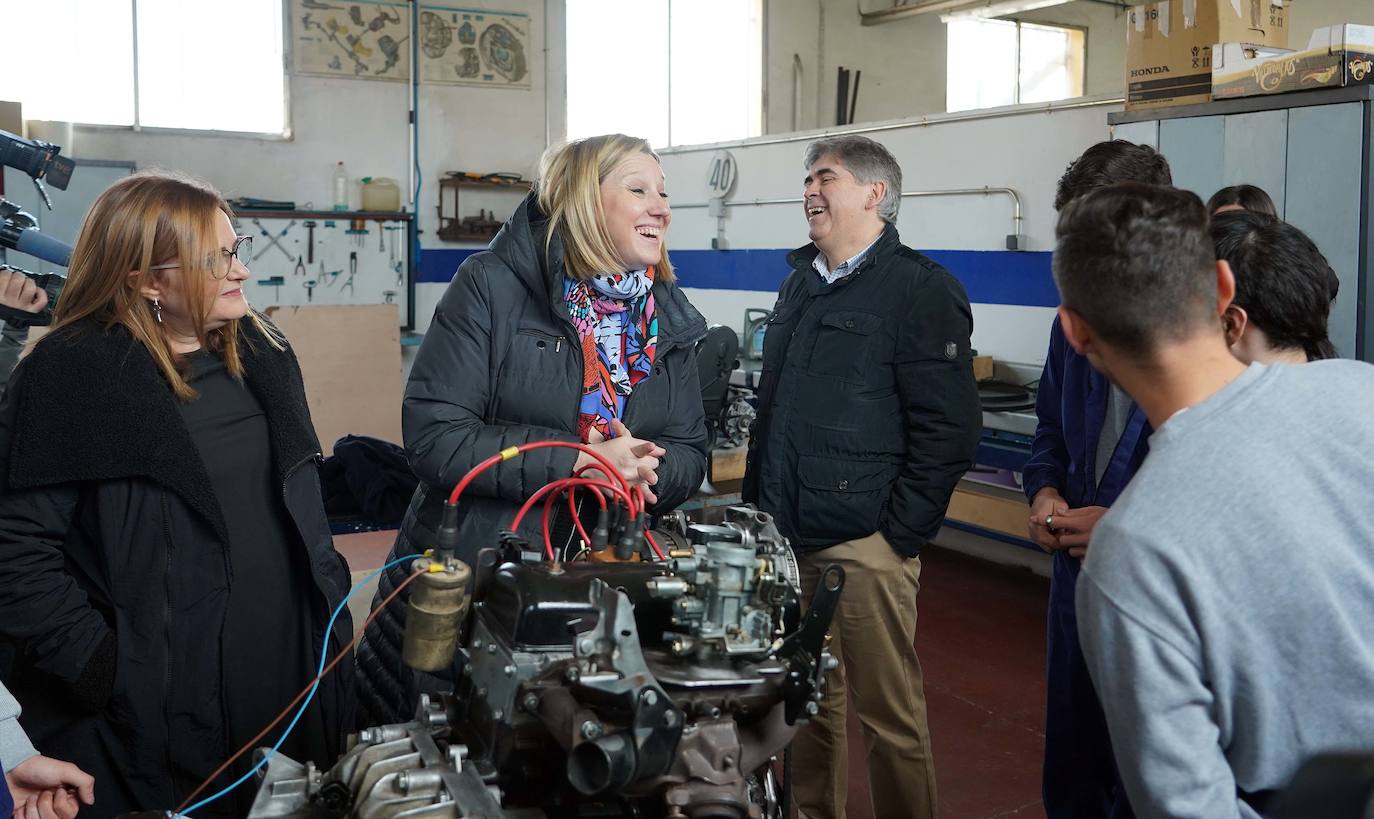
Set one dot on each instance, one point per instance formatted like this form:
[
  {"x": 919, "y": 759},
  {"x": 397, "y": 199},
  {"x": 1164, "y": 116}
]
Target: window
[
  {"x": 1005, "y": 62},
  {"x": 202, "y": 64},
  {"x": 675, "y": 72}
]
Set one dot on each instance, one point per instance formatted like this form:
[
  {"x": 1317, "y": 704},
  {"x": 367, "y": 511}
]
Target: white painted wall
[
  {"x": 903, "y": 60},
  {"x": 1310, "y": 14},
  {"x": 1024, "y": 150},
  {"x": 364, "y": 123}
]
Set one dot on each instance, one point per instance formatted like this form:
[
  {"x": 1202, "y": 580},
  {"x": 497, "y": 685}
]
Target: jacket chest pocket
[
  {"x": 842, "y": 346},
  {"x": 534, "y": 374},
  {"x": 537, "y": 356},
  {"x": 537, "y": 342}
]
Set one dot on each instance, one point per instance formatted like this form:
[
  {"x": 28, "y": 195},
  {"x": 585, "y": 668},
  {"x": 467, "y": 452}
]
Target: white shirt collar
[{"x": 846, "y": 267}]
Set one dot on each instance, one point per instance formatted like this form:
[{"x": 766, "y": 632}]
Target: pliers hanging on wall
[{"x": 352, "y": 271}]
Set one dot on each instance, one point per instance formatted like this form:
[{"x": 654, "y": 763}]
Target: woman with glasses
[{"x": 166, "y": 567}]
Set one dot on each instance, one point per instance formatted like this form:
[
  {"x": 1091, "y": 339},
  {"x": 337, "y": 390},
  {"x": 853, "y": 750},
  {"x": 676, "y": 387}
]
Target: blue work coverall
[{"x": 1080, "y": 778}]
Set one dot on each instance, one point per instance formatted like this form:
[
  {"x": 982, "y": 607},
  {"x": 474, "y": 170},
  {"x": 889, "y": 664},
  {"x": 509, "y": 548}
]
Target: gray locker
[
  {"x": 1324, "y": 144},
  {"x": 1311, "y": 152},
  {"x": 1254, "y": 153},
  {"x": 1194, "y": 148}
]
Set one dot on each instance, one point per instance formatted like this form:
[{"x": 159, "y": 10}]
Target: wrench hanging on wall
[{"x": 274, "y": 241}]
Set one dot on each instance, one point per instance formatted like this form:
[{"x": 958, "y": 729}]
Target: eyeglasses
[{"x": 242, "y": 249}]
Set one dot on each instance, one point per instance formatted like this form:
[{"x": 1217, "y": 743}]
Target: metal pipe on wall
[
  {"x": 933, "y": 119},
  {"x": 797, "y": 200}
]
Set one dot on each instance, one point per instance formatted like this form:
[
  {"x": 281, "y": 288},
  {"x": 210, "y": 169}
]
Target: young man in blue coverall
[{"x": 1090, "y": 439}]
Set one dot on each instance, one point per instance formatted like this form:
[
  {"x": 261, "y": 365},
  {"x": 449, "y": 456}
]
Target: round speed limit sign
[{"x": 720, "y": 175}]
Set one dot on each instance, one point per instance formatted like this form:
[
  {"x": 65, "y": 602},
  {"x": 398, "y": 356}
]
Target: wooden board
[
  {"x": 728, "y": 464},
  {"x": 999, "y": 510},
  {"x": 351, "y": 360}
]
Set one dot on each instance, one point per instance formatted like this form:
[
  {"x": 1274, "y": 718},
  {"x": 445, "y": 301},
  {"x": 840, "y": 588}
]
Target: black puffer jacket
[
  {"x": 868, "y": 409},
  {"x": 114, "y": 571},
  {"x": 501, "y": 365}
]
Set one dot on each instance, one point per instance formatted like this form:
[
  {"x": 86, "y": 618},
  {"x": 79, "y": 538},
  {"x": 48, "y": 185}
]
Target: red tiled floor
[{"x": 981, "y": 640}]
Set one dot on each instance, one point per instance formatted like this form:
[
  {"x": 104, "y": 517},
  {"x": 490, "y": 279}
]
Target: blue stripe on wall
[{"x": 990, "y": 276}]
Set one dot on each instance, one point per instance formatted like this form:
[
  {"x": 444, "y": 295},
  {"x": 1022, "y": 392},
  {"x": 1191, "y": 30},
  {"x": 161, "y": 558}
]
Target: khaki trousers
[{"x": 873, "y": 636}]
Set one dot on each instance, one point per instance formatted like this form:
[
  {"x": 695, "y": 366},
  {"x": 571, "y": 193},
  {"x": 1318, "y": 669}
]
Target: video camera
[
  {"x": 19, "y": 230},
  {"x": 36, "y": 158}
]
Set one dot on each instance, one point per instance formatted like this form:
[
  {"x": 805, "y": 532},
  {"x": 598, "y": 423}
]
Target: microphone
[{"x": 30, "y": 241}]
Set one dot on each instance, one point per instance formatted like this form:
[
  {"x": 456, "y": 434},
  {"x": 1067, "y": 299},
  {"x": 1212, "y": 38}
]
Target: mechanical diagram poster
[
  {"x": 359, "y": 39},
  {"x": 474, "y": 47},
  {"x": 369, "y": 39}
]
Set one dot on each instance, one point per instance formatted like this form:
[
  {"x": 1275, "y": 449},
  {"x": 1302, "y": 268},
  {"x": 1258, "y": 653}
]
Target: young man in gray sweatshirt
[
  {"x": 1226, "y": 603},
  {"x": 36, "y": 785}
]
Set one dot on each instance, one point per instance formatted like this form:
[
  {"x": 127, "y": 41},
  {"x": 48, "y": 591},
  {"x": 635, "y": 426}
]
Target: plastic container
[
  {"x": 755, "y": 327},
  {"x": 381, "y": 193},
  {"x": 340, "y": 187}
]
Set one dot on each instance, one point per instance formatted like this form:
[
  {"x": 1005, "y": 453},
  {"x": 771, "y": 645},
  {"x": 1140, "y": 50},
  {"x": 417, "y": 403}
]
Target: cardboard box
[
  {"x": 1169, "y": 45},
  {"x": 12, "y": 118},
  {"x": 982, "y": 367},
  {"x": 1336, "y": 56}
]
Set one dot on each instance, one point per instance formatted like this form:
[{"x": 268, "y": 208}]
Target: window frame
[
  {"x": 285, "y": 135},
  {"x": 1082, "y": 69},
  {"x": 760, "y": 106},
  {"x": 1016, "y": 86}
]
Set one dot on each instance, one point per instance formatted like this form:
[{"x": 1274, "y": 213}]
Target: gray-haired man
[{"x": 868, "y": 416}]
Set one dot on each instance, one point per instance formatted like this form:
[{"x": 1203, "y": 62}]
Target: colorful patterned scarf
[{"x": 618, "y": 327}]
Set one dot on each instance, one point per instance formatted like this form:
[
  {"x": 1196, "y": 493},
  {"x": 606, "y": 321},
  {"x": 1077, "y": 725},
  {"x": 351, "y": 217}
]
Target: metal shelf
[{"x": 369, "y": 215}]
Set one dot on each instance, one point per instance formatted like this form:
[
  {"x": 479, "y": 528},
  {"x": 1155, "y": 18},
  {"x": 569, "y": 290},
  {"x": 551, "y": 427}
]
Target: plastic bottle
[{"x": 340, "y": 187}]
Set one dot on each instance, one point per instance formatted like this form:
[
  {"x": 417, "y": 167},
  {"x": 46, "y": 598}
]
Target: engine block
[{"x": 601, "y": 689}]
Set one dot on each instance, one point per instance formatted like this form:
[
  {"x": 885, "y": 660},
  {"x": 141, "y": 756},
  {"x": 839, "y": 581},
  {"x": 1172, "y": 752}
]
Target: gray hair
[{"x": 869, "y": 161}]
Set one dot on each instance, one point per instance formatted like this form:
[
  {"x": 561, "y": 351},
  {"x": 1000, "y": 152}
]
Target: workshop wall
[
  {"x": 364, "y": 123},
  {"x": 1012, "y": 291},
  {"x": 903, "y": 60}
]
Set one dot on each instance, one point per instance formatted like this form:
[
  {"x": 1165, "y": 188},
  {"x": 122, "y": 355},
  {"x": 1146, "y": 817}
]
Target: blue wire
[{"x": 324, "y": 656}]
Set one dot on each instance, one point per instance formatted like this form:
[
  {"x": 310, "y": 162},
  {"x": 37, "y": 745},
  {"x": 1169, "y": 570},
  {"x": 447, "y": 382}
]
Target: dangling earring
[{"x": 157, "y": 311}]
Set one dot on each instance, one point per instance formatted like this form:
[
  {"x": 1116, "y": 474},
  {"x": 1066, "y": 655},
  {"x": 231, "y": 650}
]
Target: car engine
[{"x": 594, "y": 688}]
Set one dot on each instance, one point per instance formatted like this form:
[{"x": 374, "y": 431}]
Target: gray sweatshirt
[
  {"x": 1226, "y": 606},
  {"x": 14, "y": 743}
]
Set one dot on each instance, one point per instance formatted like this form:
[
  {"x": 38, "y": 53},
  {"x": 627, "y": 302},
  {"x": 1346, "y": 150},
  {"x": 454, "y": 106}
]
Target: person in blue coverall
[{"x": 1090, "y": 439}]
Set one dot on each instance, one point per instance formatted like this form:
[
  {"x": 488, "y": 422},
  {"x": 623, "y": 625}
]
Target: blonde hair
[
  {"x": 569, "y": 190},
  {"x": 153, "y": 217}
]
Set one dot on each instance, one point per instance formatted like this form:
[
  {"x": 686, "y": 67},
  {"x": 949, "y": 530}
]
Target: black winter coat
[
  {"x": 114, "y": 571},
  {"x": 868, "y": 411},
  {"x": 501, "y": 365}
]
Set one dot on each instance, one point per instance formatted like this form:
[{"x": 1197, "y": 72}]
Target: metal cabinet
[{"x": 1311, "y": 152}]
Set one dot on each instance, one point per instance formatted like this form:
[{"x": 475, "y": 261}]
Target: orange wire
[{"x": 344, "y": 652}]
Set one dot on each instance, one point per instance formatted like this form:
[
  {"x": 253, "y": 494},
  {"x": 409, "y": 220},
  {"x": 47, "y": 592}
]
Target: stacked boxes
[
  {"x": 1169, "y": 45},
  {"x": 1336, "y": 56}
]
